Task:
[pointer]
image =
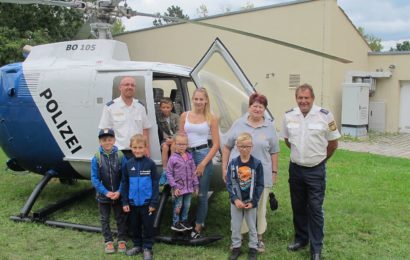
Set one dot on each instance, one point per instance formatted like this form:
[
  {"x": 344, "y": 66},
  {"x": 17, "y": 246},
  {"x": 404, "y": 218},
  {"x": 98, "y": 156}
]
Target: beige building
[{"x": 276, "y": 70}]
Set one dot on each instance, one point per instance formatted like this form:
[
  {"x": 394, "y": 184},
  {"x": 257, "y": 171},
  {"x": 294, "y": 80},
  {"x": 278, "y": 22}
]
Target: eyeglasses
[
  {"x": 181, "y": 144},
  {"x": 245, "y": 147}
]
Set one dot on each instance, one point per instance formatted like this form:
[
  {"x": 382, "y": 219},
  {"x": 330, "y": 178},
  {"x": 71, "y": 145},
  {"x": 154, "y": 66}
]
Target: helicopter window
[
  {"x": 163, "y": 87},
  {"x": 139, "y": 88}
]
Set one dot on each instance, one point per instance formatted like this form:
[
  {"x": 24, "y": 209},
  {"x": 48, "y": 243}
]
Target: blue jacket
[
  {"x": 233, "y": 182},
  {"x": 107, "y": 176},
  {"x": 140, "y": 183}
]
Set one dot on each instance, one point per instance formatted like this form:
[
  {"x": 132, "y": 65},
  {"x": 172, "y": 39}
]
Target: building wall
[
  {"x": 388, "y": 90},
  {"x": 318, "y": 24}
]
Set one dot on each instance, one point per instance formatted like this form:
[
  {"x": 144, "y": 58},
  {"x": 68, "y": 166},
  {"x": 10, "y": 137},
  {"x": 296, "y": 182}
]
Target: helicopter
[{"x": 51, "y": 103}]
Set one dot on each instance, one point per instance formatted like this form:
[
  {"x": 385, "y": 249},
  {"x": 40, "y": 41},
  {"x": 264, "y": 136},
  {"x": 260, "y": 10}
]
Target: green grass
[{"x": 367, "y": 213}]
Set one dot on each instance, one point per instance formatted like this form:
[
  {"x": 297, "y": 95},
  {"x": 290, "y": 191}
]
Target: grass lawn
[{"x": 367, "y": 216}]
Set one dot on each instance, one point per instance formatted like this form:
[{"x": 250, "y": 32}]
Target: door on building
[{"x": 405, "y": 107}]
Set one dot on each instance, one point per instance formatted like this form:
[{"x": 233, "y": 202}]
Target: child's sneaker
[
  {"x": 134, "y": 251},
  {"x": 109, "y": 247},
  {"x": 186, "y": 225},
  {"x": 122, "y": 246},
  {"x": 253, "y": 252},
  {"x": 195, "y": 234},
  {"x": 163, "y": 180},
  {"x": 147, "y": 254},
  {"x": 178, "y": 227},
  {"x": 236, "y": 251}
]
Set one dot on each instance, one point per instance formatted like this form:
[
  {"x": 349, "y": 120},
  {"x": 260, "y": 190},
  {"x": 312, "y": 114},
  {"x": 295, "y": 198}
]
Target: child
[
  {"x": 168, "y": 124},
  {"x": 245, "y": 185},
  {"x": 106, "y": 168},
  {"x": 140, "y": 191},
  {"x": 183, "y": 181}
]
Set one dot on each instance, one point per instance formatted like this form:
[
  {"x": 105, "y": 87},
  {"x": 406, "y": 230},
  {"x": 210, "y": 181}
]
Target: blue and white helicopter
[{"x": 51, "y": 103}]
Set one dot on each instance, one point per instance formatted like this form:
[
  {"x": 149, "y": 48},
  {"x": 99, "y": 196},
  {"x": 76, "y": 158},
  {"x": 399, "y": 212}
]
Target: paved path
[{"x": 389, "y": 145}]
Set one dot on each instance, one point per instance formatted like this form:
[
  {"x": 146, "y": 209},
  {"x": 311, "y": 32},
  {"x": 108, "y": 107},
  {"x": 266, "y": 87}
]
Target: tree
[
  {"x": 33, "y": 25},
  {"x": 202, "y": 11},
  {"x": 373, "y": 41},
  {"x": 117, "y": 27},
  {"x": 404, "y": 46},
  {"x": 248, "y": 5},
  {"x": 172, "y": 11}
]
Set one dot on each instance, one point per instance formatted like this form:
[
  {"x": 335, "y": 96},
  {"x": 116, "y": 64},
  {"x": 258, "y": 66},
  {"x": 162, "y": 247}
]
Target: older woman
[{"x": 265, "y": 148}]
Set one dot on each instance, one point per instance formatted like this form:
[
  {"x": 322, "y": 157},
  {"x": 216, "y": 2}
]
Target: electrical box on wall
[{"x": 355, "y": 109}]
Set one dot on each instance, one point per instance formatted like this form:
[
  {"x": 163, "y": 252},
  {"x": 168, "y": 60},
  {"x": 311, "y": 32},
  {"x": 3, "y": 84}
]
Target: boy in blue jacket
[
  {"x": 106, "y": 168},
  {"x": 140, "y": 192},
  {"x": 244, "y": 183}
]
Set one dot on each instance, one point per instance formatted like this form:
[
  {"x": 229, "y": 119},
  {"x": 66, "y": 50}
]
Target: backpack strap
[{"x": 120, "y": 157}]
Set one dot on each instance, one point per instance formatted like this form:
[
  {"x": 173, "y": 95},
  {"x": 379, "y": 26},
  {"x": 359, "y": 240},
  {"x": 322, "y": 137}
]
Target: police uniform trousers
[{"x": 307, "y": 191}]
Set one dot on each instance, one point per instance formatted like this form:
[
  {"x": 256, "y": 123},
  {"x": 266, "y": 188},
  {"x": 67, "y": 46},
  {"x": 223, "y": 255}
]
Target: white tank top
[{"x": 197, "y": 133}]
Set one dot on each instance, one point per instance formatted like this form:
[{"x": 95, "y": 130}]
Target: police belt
[{"x": 307, "y": 167}]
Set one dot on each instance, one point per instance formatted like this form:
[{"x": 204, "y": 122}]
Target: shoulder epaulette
[
  {"x": 110, "y": 103},
  {"x": 324, "y": 111},
  {"x": 139, "y": 101},
  {"x": 290, "y": 110}
]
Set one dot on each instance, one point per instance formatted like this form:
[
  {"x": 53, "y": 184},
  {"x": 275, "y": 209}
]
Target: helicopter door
[{"x": 227, "y": 85}]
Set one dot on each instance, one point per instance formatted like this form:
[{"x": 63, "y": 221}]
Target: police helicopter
[{"x": 51, "y": 103}]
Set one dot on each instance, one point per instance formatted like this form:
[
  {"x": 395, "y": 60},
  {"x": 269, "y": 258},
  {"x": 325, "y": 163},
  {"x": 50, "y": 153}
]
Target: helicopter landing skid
[{"x": 41, "y": 215}]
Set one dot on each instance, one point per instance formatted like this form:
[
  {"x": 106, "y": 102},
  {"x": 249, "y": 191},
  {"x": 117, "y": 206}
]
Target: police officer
[
  {"x": 311, "y": 134},
  {"x": 127, "y": 116}
]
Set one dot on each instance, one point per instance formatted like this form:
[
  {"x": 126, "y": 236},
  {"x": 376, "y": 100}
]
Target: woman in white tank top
[{"x": 198, "y": 125}]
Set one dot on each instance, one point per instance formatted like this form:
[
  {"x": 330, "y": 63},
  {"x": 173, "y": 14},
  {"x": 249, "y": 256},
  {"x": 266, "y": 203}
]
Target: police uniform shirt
[
  {"x": 125, "y": 120},
  {"x": 309, "y": 136}
]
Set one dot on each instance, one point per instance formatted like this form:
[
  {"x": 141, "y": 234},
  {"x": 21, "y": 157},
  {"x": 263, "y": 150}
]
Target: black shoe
[
  {"x": 235, "y": 253},
  {"x": 253, "y": 252},
  {"x": 295, "y": 246},
  {"x": 316, "y": 256},
  {"x": 186, "y": 225},
  {"x": 134, "y": 251},
  {"x": 178, "y": 227}
]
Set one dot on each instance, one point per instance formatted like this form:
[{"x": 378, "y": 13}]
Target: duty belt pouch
[{"x": 273, "y": 202}]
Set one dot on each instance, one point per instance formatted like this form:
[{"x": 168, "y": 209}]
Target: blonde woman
[{"x": 198, "y": 125}]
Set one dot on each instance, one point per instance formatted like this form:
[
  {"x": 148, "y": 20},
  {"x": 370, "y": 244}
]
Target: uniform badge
[{"x": 332, "y": 126}]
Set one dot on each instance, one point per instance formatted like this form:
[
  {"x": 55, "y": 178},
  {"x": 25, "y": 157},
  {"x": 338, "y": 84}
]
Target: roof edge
[{"x": 222, "y": 15}]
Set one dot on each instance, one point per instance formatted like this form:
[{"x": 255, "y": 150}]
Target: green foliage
[
  {"x": 172, "y": 11},
  {"x": 404, "y": 46},
  {"x": 117, "y": 27},
  {"x": 34, "y": 24},
  {"x": 373, "y": 41},
  {"x": 366, "y": 216}
]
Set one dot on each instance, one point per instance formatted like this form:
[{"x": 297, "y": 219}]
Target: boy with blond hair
[
  {"x": 244, "y": 183},
  {"x": 140, "y": 192}
]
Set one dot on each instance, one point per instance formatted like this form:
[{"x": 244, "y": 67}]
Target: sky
[{"x": 388, "y": 20}]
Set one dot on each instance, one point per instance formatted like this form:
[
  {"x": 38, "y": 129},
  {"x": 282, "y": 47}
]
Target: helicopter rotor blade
[
  {"x": 74, "y": 4},
  {"x": 257, "y": 36}
]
